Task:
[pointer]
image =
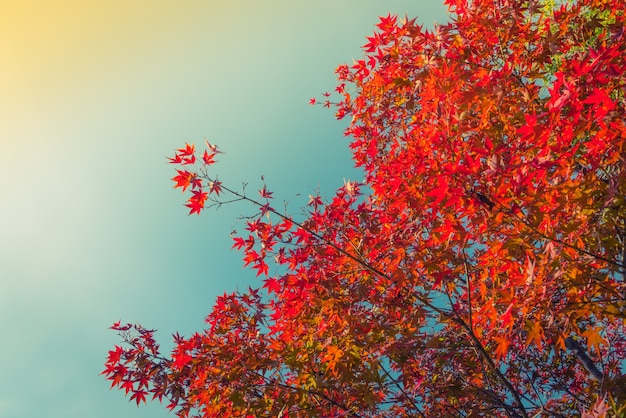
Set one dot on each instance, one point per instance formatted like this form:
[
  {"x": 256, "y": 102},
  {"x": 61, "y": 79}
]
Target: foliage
[{"x": 483, "y": 272}]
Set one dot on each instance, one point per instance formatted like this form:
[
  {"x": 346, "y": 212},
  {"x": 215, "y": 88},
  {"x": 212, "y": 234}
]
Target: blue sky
[{"x": 93, "y": 96}]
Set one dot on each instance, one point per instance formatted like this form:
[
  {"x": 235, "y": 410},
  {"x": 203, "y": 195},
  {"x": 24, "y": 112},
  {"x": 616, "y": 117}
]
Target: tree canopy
[{"x": 478, "y": 270}]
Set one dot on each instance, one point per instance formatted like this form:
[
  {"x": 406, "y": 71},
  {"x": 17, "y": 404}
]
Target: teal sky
[{"x": 94, "y": 95}]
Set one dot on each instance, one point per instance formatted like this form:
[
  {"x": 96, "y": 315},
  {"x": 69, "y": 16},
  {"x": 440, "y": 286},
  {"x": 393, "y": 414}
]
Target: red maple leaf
[
  {"x": 207, "y": 158},
  {"x": 183, "y": 179},
  {"x": 264, "y": 193}
]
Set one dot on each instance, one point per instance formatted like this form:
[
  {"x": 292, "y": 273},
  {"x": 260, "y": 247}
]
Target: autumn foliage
[{"x": 479, "y": 270}]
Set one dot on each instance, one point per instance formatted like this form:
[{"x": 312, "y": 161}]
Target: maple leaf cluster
[
  {"x": 195, "y": 180},
  {"x": 484, "y": 271}
]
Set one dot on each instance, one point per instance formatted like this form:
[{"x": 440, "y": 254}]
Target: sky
[{"x": 94, "y": 95}]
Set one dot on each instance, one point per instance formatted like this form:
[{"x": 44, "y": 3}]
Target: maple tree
[{"x": 479, "y": 269}]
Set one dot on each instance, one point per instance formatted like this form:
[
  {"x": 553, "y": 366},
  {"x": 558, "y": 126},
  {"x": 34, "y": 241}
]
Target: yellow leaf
[
  {"x": 332, "y": 356},
  {"x": 502, "y": 348},
  {"x": 534, "y": 333},
  {"x": 594, "y": 339}
]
